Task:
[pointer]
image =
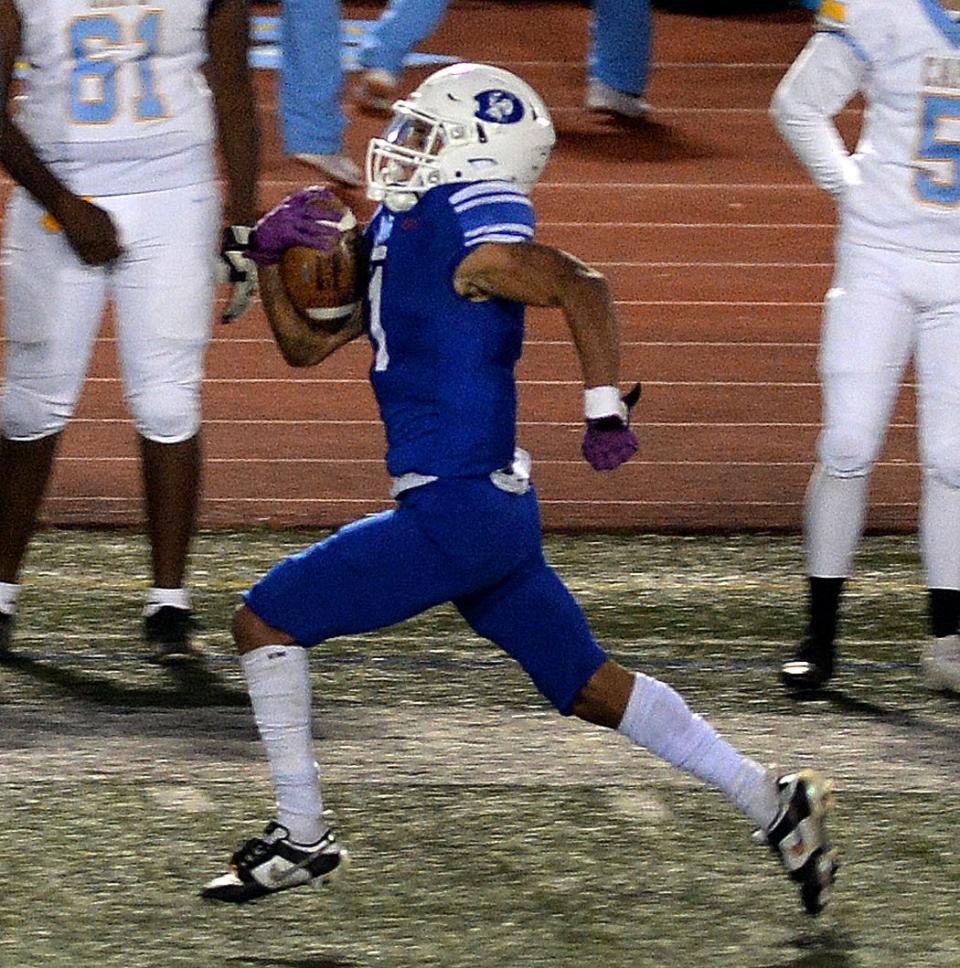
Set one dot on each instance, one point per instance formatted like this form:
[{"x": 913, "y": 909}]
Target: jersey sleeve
[
  {"x": 493, "y": 211},
  {"x": 860, "y": 24},
  {"x": 823, "y": 78}
]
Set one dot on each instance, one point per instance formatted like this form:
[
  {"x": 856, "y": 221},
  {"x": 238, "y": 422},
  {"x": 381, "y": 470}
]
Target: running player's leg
[
  {"x": 938, "y": 410},
  {"x": 866, "y": 343},
  {"x": 164, "y": 295},
  {"x": 368, "y": 575},
  {"x": 535, "y": 619},
  {"x": 54, "y": 304}
]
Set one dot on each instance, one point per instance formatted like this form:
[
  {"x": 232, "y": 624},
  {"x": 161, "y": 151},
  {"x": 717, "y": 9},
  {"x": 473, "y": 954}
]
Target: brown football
[{"x": 325, "y": 286}]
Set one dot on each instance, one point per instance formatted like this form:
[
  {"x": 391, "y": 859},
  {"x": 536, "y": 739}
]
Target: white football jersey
[
  {"x": 906, "y": 189},
  {"x": 114, "y": 100}
]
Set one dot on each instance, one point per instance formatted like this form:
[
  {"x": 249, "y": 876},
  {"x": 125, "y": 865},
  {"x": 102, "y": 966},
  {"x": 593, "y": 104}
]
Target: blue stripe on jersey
[
  {"x": 942, "y": 20},
  {"x": 493, "y": 211},
  {"x": 849, "y": 41}
]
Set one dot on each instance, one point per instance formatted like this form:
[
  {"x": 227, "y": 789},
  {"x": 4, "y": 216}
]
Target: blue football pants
[
  {"x": 463, "y": 541},
  {"x": 311, "y": 76}
]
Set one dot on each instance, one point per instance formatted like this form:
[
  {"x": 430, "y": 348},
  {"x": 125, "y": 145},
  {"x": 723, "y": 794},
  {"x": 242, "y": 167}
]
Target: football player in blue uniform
[{"x": 452, "y": 263}]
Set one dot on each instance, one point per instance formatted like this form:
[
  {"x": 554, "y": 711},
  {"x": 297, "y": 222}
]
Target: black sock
[
  {"x": 943, "y": 611},
  {"x": 824, "y": 604}
]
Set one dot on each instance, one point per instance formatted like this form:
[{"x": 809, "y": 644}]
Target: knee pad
[
  {"x": 28, "y": 415},
  {"x": 166, "y": 414},
  {"x": 849, "y": 452}
]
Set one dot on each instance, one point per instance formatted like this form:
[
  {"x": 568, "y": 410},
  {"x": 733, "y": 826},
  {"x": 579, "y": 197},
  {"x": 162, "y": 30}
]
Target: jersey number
[
  {"x": 100, "y": 45},
  {"x": 381, "y": 358},
  {"x": 943, "y": 190}
]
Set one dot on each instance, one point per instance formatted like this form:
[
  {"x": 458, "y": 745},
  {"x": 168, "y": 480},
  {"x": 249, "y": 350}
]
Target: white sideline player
[
  {"x": 112, "y": 148},
  {"x": 895, "y": 294}
]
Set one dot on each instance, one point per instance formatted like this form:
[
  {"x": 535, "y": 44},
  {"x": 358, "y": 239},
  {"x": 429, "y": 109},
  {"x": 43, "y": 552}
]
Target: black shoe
[
  {"x": 810, "y": 667},
  {"x": 799, "y": 837},
  {"x": 6, "y": 632},
  {"x": 271, "y": 863},
  {"x": 169, "y": 630}
]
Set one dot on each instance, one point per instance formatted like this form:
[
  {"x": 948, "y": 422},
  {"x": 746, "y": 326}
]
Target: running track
[{"x": 719, "y": 252}]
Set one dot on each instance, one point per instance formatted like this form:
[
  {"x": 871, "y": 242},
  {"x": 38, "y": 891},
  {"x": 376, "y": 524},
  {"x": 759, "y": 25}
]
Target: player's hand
[
  {"x": 312, "y": 217},
  {"x": 238, "y": 270},
  {"x": 90, "y": 231},
  {"x": 609, "y": 441}
]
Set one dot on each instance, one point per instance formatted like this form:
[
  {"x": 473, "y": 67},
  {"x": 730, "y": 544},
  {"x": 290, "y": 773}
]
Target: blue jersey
[{"x": 443, "y": 366}]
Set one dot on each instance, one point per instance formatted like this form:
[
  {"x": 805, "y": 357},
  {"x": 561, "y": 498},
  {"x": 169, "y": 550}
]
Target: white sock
[
  {"x": 658, "y": 719},
  {"x": 9, "y": 592},
  {"x": 939, "y": 533},
  {"x": 278, "y": 680},
  {"x": 834, "y": 513},
  {"x": 158, "y": 597}
]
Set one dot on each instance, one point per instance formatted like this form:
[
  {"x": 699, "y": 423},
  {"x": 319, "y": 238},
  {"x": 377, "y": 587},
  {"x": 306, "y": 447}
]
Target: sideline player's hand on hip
[
  {"x": 90, "y": 231},
  {"x": 608, "y": 441}
]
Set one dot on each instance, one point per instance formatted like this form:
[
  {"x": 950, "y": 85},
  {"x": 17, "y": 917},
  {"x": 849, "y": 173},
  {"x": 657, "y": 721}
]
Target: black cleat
[
  {"x": 810, "y": 667},
  {"x": 799, "y": 837},
  {"x": 6, "y": 632},
  {"x": 271, "y": 863},
  {"x": 168, "y": 630}
]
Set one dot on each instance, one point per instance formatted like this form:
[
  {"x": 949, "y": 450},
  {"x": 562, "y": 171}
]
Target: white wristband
[{"x": 603, "y": 402}]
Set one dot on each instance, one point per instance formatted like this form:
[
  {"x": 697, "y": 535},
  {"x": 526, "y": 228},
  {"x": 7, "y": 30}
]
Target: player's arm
[
  {"x": 538, "y": 275},
  {"x": 826, "y": 75},
  {"x": 229, "y": 77},
  {"x": 300, "y": 343},
  {"x": 88, "y": 227}
]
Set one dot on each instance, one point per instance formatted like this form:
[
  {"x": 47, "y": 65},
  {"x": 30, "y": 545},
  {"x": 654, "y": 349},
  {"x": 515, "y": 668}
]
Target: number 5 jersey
[
  {"x": 114, "y": 100},
  {"x": 901, "y": 187}
]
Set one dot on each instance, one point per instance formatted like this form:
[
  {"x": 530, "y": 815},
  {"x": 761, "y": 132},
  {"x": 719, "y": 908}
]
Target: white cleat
[
  {"x": 940, "y": 663},
  {"x": 608, "y": 100},
  {"x": 339, "y": 168},
  {"x": 271, "y": 863},
  {"x": 799, "y": 837}
]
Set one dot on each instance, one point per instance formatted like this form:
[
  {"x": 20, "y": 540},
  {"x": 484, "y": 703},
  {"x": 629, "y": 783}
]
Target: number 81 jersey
[
  {"x": 908, "y": 156},
  {"x": 114, "y": 100}
]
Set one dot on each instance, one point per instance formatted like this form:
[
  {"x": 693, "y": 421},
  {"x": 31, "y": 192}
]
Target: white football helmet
[{"x": 466, "y": 122}]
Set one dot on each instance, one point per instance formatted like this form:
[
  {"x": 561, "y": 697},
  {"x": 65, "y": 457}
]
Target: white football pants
[
  {"x": 886, "y": 306},
  {"x": 162, "y": 290}
]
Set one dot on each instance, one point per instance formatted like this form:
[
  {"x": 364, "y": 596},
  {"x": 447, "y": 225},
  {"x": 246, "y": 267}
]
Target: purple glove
[
  {"x": 609, "y": 441},
  {"x": 313, "y": 216}
]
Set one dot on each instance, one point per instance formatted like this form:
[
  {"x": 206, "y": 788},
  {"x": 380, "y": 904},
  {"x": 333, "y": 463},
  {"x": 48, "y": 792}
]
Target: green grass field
[{"x": 484, "y": 830}]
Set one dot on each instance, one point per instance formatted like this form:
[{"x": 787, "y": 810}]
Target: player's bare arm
[
  {"x": 300, "y": 342},
  {"x": 539, "y": 275},
  {"x": 229, "y": 77},
  {"x": 88, "y": 227}
]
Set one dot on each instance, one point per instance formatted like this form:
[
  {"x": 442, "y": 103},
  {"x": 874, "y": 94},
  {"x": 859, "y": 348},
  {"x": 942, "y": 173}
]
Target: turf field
[{"x": 484, "y": 830}]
